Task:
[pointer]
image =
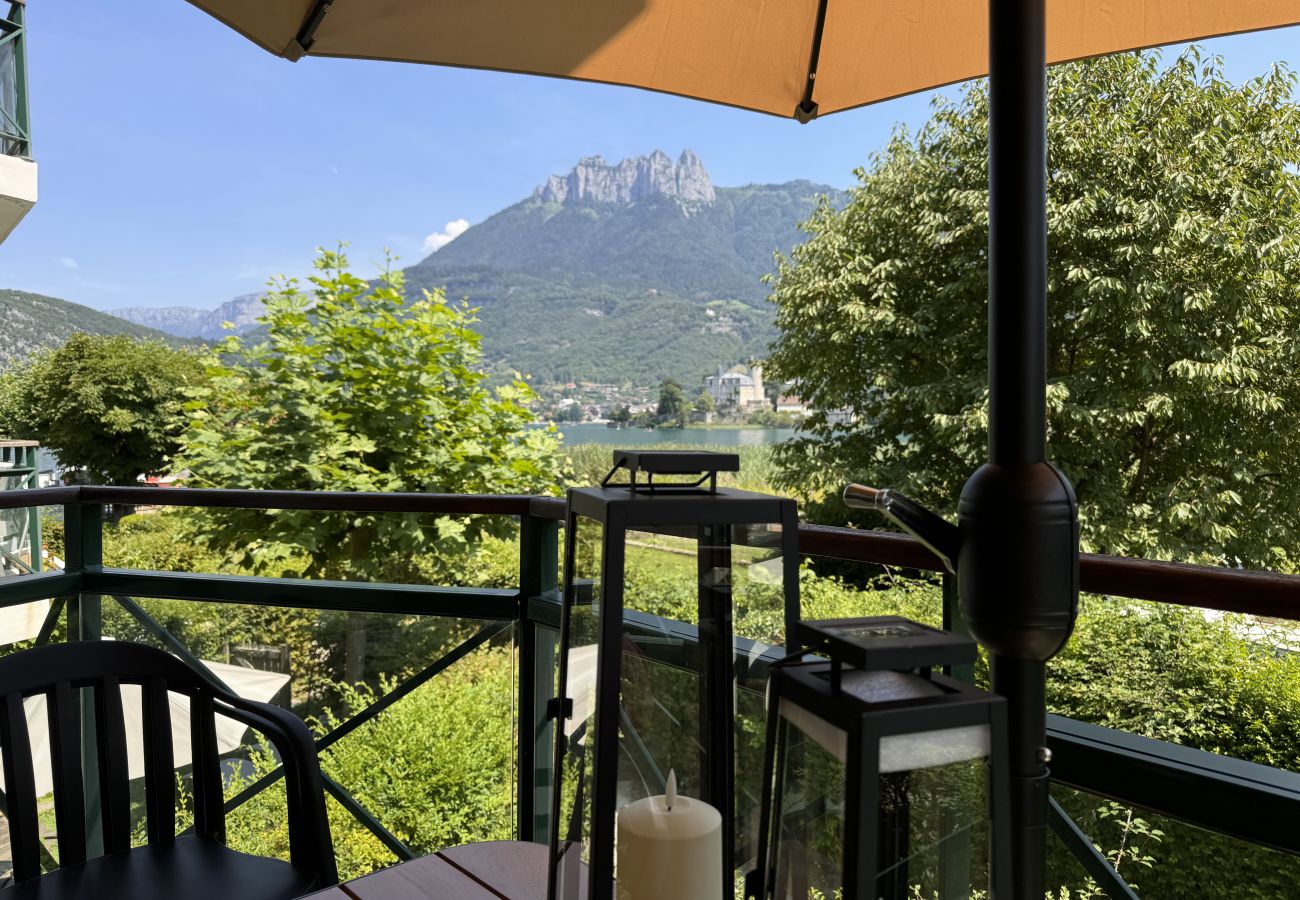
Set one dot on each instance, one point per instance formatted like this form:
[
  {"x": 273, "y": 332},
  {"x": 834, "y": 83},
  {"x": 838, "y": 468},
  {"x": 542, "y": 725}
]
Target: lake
[{"x": 597, "y": 433}]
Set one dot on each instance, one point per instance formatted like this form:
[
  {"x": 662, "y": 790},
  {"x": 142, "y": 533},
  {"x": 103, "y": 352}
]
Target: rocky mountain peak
[{"x": 635, "y": 178}]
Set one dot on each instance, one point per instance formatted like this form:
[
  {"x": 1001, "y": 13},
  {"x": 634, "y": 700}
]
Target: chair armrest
[{"x": 310, "y": 844}]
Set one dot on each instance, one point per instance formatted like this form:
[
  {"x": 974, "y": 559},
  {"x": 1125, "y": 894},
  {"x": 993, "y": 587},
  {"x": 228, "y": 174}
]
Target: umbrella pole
[{"x": 1019, "y": 558}]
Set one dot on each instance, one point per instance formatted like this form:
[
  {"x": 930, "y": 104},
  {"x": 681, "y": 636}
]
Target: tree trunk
[
  {"x": 354, "y": 664},
  {"x": 354, "y": 660}
]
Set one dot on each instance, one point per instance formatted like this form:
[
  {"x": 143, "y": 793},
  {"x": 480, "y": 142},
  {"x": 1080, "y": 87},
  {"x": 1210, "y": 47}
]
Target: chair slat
[
  {"x": 114, "y": 792},
  {"x": 159, "y": 767},
  {"x": 209, "y": 811},
  {"x": 20, "y": 789},
  {"x": 69, "y": 792}
]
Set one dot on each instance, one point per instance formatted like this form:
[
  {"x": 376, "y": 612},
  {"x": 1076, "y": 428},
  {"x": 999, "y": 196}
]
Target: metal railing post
[
  {"x": 84, "y": 539},
  {"x": 538, "y": 579}
]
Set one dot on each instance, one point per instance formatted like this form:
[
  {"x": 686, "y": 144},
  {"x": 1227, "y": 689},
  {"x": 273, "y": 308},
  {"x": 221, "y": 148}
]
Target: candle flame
[{"x": 670, "y": 790}]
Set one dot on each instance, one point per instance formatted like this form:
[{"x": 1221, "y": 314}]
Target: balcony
[
  {"x": 504, "y": 629},
  {"x": 17, "y": 170}
]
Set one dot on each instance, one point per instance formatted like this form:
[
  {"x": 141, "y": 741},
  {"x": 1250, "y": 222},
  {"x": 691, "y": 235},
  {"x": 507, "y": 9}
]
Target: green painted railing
[
  {"x": 1226, "y": 796},
  {"x": 15, "y": 116},
  {"x": 86, "y": 583}
]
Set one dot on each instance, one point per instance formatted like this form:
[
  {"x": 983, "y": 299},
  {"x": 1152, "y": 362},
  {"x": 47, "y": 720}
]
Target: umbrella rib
[
  {"x": 806, "y": 111},
  {"x": 299, "y": 46}
]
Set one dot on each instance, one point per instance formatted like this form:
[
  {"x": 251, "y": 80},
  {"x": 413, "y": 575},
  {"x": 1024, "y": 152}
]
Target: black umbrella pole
[
  {"x": 1018, "y": 562},
  {"x": 1022, "y": 682}
]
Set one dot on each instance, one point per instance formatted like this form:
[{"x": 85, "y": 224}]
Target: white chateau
[{"x": 740, "y": 387}]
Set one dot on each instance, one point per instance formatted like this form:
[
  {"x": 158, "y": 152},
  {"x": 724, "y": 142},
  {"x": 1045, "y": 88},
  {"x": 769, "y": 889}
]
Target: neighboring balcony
[{"x": 17, "y": 169}]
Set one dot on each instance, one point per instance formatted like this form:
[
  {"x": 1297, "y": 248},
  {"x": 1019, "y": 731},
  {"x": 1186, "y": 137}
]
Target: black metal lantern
[
  {"x": 650, "y": 676},
  {"x": 881, "y": 775}
]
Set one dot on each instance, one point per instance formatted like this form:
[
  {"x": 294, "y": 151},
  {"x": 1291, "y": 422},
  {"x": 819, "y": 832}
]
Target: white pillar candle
[{"x": 669, "y": 848}]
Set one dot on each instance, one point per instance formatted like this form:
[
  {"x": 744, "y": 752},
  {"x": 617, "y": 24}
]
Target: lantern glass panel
[
  {"x": 758, "y": 602},
  {"x": 809, "y": 833},
  {"x": 704, "y": 607},
  {"x": 577, "y": 732},
  {"x": 661, "y": 681},
  {"x": 932, "y": 823}
]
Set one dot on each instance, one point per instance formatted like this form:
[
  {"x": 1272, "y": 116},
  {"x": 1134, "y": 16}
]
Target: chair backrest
[{"x": 60, "y": 673}]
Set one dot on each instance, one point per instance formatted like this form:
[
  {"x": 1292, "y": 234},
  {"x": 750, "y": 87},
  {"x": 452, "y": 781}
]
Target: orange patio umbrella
[
  {"x": 1016, "y": 545},
  {"x": 784, "y": 57}
]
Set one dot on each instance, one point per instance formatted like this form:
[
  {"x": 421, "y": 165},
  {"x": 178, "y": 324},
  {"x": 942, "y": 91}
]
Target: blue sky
[{"x": 182, "y": 165}]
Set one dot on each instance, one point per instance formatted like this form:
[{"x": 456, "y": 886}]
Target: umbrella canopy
[{"x": 756, "y": 54}]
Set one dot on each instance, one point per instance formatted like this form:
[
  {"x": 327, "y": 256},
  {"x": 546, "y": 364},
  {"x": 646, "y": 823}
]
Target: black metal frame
[
  {"x": 1018, "y": 569},
  {"x": 809, "y": 686},
  {"x": 711, "y": 518}
]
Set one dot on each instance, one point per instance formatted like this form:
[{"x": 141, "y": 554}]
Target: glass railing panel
[
  {"x": 1165, "y": 859},
  {"x": 424, "y": 738},
  {"x": 388, "y": 547},
  {"x": 31, "y": 546},
  {"x": 1225, "y": 683},
  {"x": 437, "y": 768},
  {"x": 9, "y": 99}
]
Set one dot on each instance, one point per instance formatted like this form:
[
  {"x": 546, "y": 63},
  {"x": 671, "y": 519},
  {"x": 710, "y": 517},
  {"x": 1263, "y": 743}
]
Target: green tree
[
  {"x": 1174, "y": 311},
  {"x": 671, "y": 399},
  {"x": 705, "y": 403},
  {"x": 348, "y": 388},
  {"x": 572, "y": 412},
  {"x": 110, "y": 405},
  {"x": 622, "y": 415}
]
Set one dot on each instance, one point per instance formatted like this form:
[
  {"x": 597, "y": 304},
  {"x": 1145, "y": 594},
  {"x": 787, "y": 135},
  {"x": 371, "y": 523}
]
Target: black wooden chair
[{"x": 195, "y": 866}]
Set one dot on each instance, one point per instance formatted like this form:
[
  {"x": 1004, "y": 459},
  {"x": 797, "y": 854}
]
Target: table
[{"x": 497, "y": 870}]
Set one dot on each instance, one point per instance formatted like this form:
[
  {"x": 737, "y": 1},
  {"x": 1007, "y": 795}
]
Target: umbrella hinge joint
[{"x": 301, "y": 44}]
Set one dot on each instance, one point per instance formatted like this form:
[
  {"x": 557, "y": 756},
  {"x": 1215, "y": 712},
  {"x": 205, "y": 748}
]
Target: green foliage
[
  {"x": 110, "y": 404},
  {"x": 1170, "y": 673},
  {"x": 674, "y": 409},
  {"x": 349, "y": 388},
  {"x": 437, "y": 768},
  {"x": 766, "y": 417},
  {"x": 1174, "y": 297},
  {"x": 671, "y": 398}
]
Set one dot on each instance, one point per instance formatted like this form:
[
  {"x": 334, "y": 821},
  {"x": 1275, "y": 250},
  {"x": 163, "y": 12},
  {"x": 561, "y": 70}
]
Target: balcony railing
[
  {"x": 15, "y": 123},
  {"x": 1243, "y": 800}
]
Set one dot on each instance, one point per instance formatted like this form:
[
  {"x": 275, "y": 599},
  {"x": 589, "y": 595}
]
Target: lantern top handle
[
  {"x": 704, "y": 464},
  {"x": 884, "y": 643}
]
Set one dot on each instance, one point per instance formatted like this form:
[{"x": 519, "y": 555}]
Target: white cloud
[
  {"x": 449, "y": 233},
  {"x": 69, "y": 263}
]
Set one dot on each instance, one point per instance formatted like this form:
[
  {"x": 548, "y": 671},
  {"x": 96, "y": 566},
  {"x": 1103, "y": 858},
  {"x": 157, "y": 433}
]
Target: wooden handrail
[
  {"x": 1181, "y": 584},
  {"x": 1207, "y": 587}
]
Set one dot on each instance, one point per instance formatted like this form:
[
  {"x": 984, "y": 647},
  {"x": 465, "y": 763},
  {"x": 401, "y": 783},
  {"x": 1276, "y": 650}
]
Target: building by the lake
[{"x": 740, "y": 387}]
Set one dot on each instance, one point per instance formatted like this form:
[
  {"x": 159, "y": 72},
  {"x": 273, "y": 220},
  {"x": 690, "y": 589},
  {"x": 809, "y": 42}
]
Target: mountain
[
  {"x": 623, "y": 272},
  {"x": 636, "y": 178},
  {"x": 626, "y": 272},
  {"x": 29, "y": 322},
  {"x": 189, "y": 322}
]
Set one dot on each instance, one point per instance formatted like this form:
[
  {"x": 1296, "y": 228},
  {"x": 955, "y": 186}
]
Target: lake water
[{"x": 596, "y": 433}]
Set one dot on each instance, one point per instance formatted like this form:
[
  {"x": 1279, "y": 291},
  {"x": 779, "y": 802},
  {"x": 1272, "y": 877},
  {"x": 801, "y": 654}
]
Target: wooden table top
[{"x": 500, "y": 870}]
